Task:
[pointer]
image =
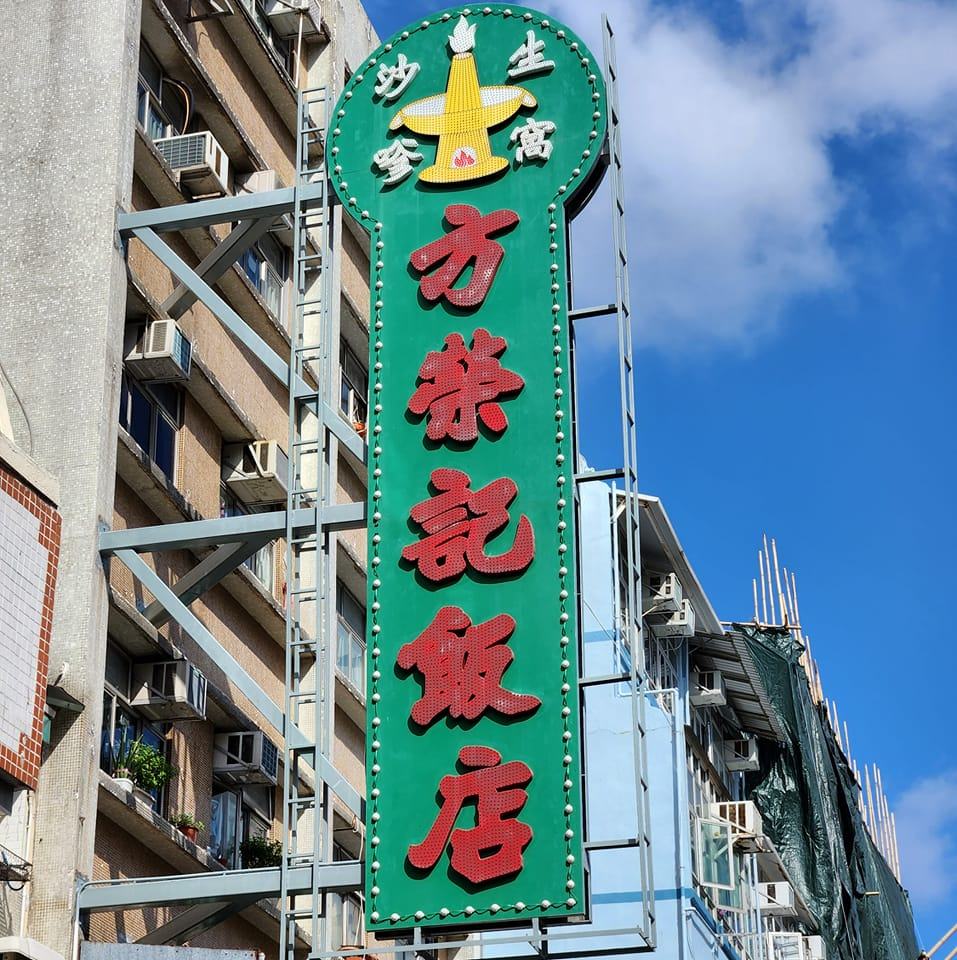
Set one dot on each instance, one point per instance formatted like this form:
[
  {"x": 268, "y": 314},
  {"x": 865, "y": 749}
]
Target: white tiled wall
[{"x": 23, "y": 564}]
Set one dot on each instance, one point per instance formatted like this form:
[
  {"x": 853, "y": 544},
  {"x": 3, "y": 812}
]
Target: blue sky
[{"x": 792, "y": 191}]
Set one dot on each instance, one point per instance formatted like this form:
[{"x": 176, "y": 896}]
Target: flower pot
[
  {"x": 143, "y": 795},
  {"x": 191, "y": 833},
  {"x": 124, "y": 783}
]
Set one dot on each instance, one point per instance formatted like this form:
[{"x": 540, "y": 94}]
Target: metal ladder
[
  {"x": 632, "y": 618},
  {"x": 307, "y": 815}
]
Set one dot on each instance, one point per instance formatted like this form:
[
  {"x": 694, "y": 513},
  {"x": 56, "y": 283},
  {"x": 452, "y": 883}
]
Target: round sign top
[{"x": 495, "y": 103}]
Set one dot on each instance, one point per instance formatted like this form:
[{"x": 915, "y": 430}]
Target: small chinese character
[
  {"x": 461, "y": 386},
  {"x": 396, "y": 159},
  {"x": 528, "y": 58},
  {"x": 532, "y": 144},
  {"x": 467, "y": 244},
  {"x": 462, "y": 665},
  {"x": 459, "y": 522},
  {"x": 492, "y": 849},
  {"x": 392, "y": 81}
]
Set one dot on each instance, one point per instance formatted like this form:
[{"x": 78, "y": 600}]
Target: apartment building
[
  {"x": 740, "y": 871},
  {"x": 148, "y": 412}
]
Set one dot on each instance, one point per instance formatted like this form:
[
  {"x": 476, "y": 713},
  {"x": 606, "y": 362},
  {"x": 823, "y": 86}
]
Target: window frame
[
  {"x": 353, "y": 401},
  {"x": 231, "y": 506},
  {"x": 118, "y": 700},
  {"x": 159, "y": 412},
  {"x": 355, "y": 636}
]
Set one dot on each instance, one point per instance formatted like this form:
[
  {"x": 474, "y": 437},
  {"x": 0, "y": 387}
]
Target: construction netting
[{"x": 807, "y": 797}]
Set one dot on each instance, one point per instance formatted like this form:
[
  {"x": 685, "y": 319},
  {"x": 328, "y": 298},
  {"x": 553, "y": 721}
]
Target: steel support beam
[
  {"x": 193, "y": 888},
  {"x": 196, "y": 534},
  {"x": 203, "y": 213},
  {"x": 242, "y": 680},
  {"x": 344, "y": 433},
  {"x": 207, "y": 642},
  {"x": 228, "y": 317},
  {"x": 218, "y": 261},
  {"x": 206, "y": 574},
  {"x": 196, "y": 920}
]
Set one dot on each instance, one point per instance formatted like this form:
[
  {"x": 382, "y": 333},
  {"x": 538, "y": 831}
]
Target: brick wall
[{"x": 29, "y": 551}]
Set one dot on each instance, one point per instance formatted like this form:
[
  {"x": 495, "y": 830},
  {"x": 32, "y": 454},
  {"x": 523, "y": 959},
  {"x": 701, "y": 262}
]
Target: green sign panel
[{"x": 457, "y": 146}]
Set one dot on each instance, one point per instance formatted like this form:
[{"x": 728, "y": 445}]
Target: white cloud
[
  {"x": 926, "y": 817},
  {"x": 731, "y": 190}
]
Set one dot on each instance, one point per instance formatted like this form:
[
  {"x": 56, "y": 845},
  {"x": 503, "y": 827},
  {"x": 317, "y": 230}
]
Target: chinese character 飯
[
  {"x": 459, "y": 522},
  {"x": 466, "y": 245},
  {"x": 492, "y": 849},
  {"x": 461, "y": 386},
  {"x": 462, "y": 665}
]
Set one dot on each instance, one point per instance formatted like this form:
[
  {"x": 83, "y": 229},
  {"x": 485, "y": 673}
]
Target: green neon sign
[{"x": 457, "y": 146}]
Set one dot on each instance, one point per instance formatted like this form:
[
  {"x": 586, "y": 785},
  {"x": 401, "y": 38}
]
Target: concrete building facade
[{"x": 178, "y": 101}]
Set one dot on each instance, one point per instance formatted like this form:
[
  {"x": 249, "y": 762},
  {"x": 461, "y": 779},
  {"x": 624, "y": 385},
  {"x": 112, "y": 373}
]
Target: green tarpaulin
[{"x": 806, "y": 794}]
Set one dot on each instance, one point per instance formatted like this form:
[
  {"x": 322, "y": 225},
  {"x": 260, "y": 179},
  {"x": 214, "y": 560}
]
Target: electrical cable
[{"x": 23, "y": 409}]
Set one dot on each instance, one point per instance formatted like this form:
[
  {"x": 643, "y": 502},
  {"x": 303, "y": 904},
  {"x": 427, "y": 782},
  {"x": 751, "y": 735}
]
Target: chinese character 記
[
  {"x": 396, "y": 159},
  {"x": 458, "y": 522},
  {"x": 462, "y": 666},
  {"x": 532, "y": 144},
  {"x": 529, "y": 58},
  {"x": 492, "y": 849}
]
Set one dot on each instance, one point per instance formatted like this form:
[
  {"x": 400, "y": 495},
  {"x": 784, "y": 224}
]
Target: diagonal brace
[
  {"x": 242, "y": 680},
  {"x": 206, "y": 574},
  {"x": 195, "y": 920},
  {"x": 217, "y": 262},
  {"x": 217, "y": 305}
]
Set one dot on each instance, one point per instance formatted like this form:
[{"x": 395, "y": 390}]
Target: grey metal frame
[{"x": 308, "y": 525}]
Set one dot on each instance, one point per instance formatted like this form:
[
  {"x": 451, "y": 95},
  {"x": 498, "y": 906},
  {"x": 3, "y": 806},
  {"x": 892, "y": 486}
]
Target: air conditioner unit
[
  {"x": 256, "y": 472},
  {"x": 708, "y": 689},
  {"x": 744, "y": 817},
  {"x": 247, "y": 756},
  {"x": 742, "y": 754},
  {"x": 259, "y": 181},
  {"x": 169, "y": 690},
  {"x": 786, "y": 946},
  {"x": 660, "y": 592},
  {"x": 777, "y": 899},
  {"x": 284, "y": 17},
  {"x": 158, "y": 351},
  {"x": 814, "y": 948},
  {"x": 680, "y": 624},
  {"x": 201, "y": 162}
]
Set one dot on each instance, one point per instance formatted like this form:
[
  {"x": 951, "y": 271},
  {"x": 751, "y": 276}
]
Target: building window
[
  {"x": 262, "y": 563},
  {"x": 283, "y": 49},
  {"x": 160, "y": 104},
  {"x": 121, "y": 724},
  {"x": 238, "y": 814},
  {"x": 266, "y": 263},
  {"x": 151, "y": 416},
  {"x": 351, "y": 653},
  {"x": 354, "y": 385}
]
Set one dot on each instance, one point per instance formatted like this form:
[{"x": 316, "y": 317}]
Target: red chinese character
[
  {"x": 462, "y": 665},
  {"x": 467, "y": 244},
  {"x": 492, "y": 849},
  {"x": 459, "y": 523},
  {"x": 463, "y": 385}
]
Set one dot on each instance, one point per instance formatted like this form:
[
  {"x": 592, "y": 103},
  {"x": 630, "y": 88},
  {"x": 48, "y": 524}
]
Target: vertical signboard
[{"x": 457, "y": 146}]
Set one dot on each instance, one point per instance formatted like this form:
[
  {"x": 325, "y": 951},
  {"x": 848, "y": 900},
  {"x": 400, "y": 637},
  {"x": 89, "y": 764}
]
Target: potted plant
[
  {"x": 261, "y": 852},
  {"x": 149, "y": 769},
  {"x": 359, "y": 427},
  {"x": 121, "y": 759},
  {"x": 188, "y": 825}
]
